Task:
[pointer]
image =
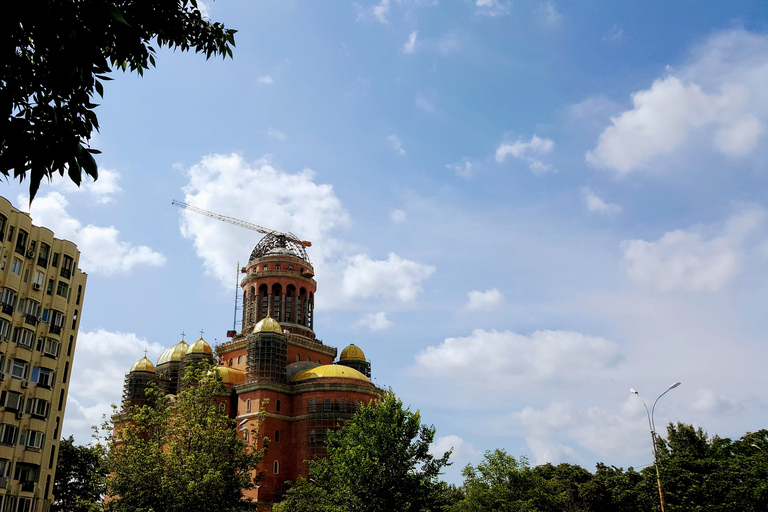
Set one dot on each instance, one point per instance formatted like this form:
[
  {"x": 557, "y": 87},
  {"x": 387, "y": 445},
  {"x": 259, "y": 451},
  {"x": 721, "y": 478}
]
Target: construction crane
[{"x": 285, "y": 237}]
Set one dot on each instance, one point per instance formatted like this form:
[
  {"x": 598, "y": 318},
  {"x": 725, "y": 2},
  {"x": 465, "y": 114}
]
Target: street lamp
[{"x": 652, "y": 426}]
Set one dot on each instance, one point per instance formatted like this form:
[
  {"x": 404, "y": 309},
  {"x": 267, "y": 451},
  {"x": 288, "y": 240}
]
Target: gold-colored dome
[
  {"x": 173, "y": 353},
  {"x": 330, "y": 370},
  {"x": 267, "y": 324},
  {"x": 143, "y": 365},
  {"x": 352, "y": 353},
  {"x": 231, "y": 375},
  {"x": 200, "y": 347}
]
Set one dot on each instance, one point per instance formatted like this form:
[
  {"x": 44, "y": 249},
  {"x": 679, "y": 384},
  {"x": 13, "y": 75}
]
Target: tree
[
  {"x": 80, "y": 472},
  {"x": 379, "y": 461},
  {"x": 180, "y": 454},
  {"x": 55, "y": 56}
]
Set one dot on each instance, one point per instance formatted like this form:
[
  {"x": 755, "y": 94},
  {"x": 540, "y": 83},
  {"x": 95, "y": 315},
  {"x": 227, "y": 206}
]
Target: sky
[{"x": 519, "y": 210}]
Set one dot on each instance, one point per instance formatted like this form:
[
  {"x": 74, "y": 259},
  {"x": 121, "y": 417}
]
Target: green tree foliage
[
  {"x": 55, "y": 56},
  {"x": 180, "y": 454},
  {"x": 80, "y": 472},
  {"x": 378, "y": 462}
]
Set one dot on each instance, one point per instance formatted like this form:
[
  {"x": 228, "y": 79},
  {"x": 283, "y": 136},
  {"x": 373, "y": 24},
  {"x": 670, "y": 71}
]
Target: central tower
[{"x": 279, "y": 284}]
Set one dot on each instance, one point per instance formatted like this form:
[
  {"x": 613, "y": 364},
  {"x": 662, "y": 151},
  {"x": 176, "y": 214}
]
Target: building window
[
  {"x": 79, "y": 293},
  {"x": 38, "y": 408},
  {"x": 62, "y": 289},
  {"x": 327, "y": 405},
  {"x": 23, "y": 337},
  {"x": 312, "y": 406},
  {"x": 298, "y": 357},
  {"x": 16, "y": 266},
  {"x": 51, "y": 347},
  {"x": 239, "y": 359},
  {"x": 18, "y": 368},
  {"x": 42, "y": 256},
  {"x": 343, "y": 405},
  {"x": 66, "y": 371},
  {"x": 43, "y": 376},
  {"x": 8, "y": 434},
  {"x": 12, "y": 401},
  {"x": 32, "y": 439},
  {"x": 277, "y": 406},
  {"x": 39, "y": 280},
  {"x": 276, "y": 467},
  {"x": 3, "y": 222},
  {"x": 230, "y": 361},
  {"x": 248, "y": 405},
  {"x": 49, "y": 289},
  {"x": 245, "y": 434},
  {"x": 358, "y": 404},
  {"x": 265, "y": 267},
  {"x": 277, "y": 267},
  {"x": 5, "y": 328},
  {"x": 277, "y": 436},
  {"x": 55, "y": 260},
  {"x": 66, "y": 266},
  {"x": 21, "y": 242}
]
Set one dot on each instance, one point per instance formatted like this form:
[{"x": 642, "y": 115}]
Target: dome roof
[
  {"x": 280, "y": 244},
  {"x": 173, "y": 353},
  {"x": 231, "y": 375},
  {"x": 352, "y": 353},
  {"x": 200, "y": 347},
  {"x": 267, "y": 324},
  {"x": 330, "y": 370},
  {"x": 143, "y": 365}
]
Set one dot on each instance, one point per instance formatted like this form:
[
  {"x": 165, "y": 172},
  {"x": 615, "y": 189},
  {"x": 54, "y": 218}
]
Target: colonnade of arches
[{"x": 284, "y": 305}]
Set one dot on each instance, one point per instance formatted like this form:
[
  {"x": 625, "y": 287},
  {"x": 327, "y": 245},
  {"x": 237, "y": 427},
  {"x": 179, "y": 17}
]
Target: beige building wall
[{"x": 41, "y": 297}]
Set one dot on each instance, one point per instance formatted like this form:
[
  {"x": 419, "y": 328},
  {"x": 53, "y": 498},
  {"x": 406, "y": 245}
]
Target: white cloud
[
  {"x": 394, "y": 277},
  {"x": 374, "y": 321},
  {"x": 484, "y": 301},
  {"x": 549, "y": 14},
  {"x": 462, "y": 451},
  {"x": 101, "y": 250},
  {"x": 398, "y": 216},
  {"x": 507, "y": 360},
  {"x": 397, "y": 145},
  {"x": 410, "y": 45},
  {"x": 691, "y": 260},
  {"x": 463, "y": 169},
  {"x": 292, "y": 203},
  {"x": 530, "y": 151},
  {"x": 276, "y": 134},
  {"x": 448, "y": 44},
  {"x": 492, "y": 7},
  {"x": 102, "y": 190},
  {"x": 205, "y": 9},
  {"x": 265, "y": 80},
  {"x": 718, "y": 102},
  {"x": 595, "y": 204},
  {"x": 377, "y": 12},
  {"x": 425, "y": 104}
]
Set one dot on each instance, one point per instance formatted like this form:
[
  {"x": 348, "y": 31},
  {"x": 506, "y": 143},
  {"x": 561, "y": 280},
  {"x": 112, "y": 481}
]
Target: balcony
[
  {"x": 27, "y": 486},
  {"x": 66, "y": 273},
  {"x": 55, "y": 329},
  {"x": 30, "y": 319},
  {"x": 8, "y": 309}
]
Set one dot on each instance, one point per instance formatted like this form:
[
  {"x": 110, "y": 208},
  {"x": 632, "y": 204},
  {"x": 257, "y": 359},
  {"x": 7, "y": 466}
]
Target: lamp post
[{"x": 652, "y": 426}]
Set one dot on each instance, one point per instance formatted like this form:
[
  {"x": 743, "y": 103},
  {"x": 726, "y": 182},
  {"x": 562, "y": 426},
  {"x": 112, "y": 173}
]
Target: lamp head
[
  {"x": 632, "y": 390},
  {"x": 673, "y": 386}
]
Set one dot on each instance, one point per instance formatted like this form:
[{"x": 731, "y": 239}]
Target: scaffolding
[{"x": 267, "y": 353}]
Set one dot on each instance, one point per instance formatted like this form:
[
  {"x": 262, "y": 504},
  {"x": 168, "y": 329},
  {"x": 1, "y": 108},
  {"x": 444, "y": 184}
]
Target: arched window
[
  {"x": 276, "y": 467},
  {"x": 222, "y": 407},
  {"x": 312, "y": 436},
  {"x": 298, "y": 357},
  {"x": 277, "y": 436},
  {"x": 318, "y": 362},
  {"x": 309, "y": 358},
  {"x": 248, "y": 405},
  {"x": 290, "y": 268},
  {"x": 277, "y": 406},
  {"x": 265, "y": 267},
  {"x": 327, "y": 404},
  {"x": 312, "y": 406},
  {"x": 230, "y": 361},
  {"x": 277, "y": 267},
  {"x": 239, "y": 359},
  {"x": 245, "y": 435},
  {"x": 343, "y": 405}
]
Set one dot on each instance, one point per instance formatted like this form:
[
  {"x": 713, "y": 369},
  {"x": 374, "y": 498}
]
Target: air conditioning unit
[
  {"x": 31, "y": 253},
  {"x": 24, "y": 384},
  {"x": 37, "y": 286}
]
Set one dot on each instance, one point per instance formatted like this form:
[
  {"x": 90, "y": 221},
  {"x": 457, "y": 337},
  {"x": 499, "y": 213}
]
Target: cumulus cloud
[
  {"x": 717, "y": 102},
  {"x": 461, "y": 450},
  {"x": 700, "y": 259},
  {"x": 484, "y": 301},
  {"x": 101, "y": 249},
  {"x": 492, "y": 7},
  {"x": 292, "y": 203},
  {"x": 410, "y": 45},
  {"x": 463, "y": 169},
  {"x": 595, "y": 204},
  {"x": 264, "y": 80},
  {"x": 377, "y": 12},
  {"x": 394, "y": 277},
  {"x": 397, "y": 145},
  {"x": 398, "y": 216},
  {"x": 509, "y": 360},
  {"x": 530, "y": 151},
  {"x": 101, "y": 357},
  {"x": 374, "y": 321}
]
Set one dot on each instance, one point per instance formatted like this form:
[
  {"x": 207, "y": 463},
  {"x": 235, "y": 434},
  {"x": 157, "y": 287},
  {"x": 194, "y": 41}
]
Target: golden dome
[
  {"x": 143, "y": 365},
  {"x": 352, "y": 353},
  {"x": 267, "y": 324},
  {"x": 200, "y": 347},
  {"x": 231, "y": 375},
  {"x": 173, "y": 353},
  {"x": 330, "y": 370}
]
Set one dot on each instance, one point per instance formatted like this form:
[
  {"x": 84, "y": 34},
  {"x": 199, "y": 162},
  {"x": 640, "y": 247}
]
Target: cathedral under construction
[{"x": 276, "y": 356}]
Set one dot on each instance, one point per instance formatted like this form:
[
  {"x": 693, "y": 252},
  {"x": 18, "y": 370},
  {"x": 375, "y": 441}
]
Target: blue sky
[{"x": 519, "y": 210}]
